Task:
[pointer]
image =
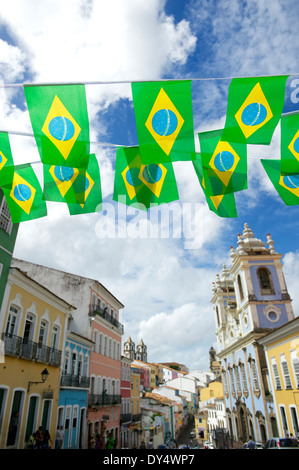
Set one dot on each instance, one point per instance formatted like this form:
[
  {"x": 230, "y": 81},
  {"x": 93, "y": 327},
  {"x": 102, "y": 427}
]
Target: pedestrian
[
  {"x": 39, "y": 438},
  {"x": 251, "y": 443},
  {"x": 142, "y": 445},
  {"x": 91, "y": 442},
  {"x": 110, "y": 441},
  {"x": 31, "y": 441},
  {"x": 150, "y": 445},
  {"x": 99, "y": 442},
  {"x": 46, "y": 440}
]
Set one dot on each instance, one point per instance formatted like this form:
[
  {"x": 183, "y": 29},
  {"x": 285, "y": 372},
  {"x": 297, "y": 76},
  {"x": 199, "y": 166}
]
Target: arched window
[
  {"x": 265, "y": 281},
  {"x": 240, "y": 287}
]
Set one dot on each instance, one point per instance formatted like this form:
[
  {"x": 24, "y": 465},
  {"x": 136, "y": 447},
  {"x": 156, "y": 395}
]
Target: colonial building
[
  {"x": 249, "y": 300},
  {"x": 96, "y": 318},
  {"x": 282, "y": 354},
  {"x": 74, "y": 387},
  {"x": 8, "y": 235},
  {"x": 33, "y": 326}
]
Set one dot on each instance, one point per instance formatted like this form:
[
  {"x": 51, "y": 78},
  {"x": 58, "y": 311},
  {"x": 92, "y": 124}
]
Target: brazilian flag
[
  {"x": 164, "y": 120},
  {"x": 89, "y": 180},
  {"x": 224, "y": 164},
  {"x": 142, "y": 185},
  {"x": 254, "y": 109},
  {"x": 286, "y": 184},
  {"x": 6, "y": 161},
  {"x": 223, "y": 205},
  {"x": 70, "y": 185},
  {"x": 60, "y": 123},
  {"x": 290, "y": 144},
  {"x": 24, "y": 195}
]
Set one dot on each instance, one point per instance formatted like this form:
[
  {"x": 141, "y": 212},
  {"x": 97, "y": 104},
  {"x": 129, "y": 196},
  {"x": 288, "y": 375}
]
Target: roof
[{"x": 69, "y": 274}]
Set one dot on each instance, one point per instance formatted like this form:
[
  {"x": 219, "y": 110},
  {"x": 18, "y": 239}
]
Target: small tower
[
  {"x": 141, "y": 352},
  {"x": 262, "y": 299},
  {"x": 129, "y": 349}
]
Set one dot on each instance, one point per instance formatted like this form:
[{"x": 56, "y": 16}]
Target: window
[
  {"x": 244, "y": 381},
  {"x": 55, "y": 337},
  {"x": 265, "y": 281},
  {"x": 101, "y": 344},
  {"x": 275, "y": 370},
  {"x": 295, "y": 364},
  {"x": 5, "y": 219},
  {"x": 66, "y": 361},
  {"x": 286, "y": 372},
  {"x": 284, "y": 420},
  {"x": 238, "y": 381},
  {"x": 42, "y": 333},
  {"x": 11, "y": 325},
  {"x": 240, "y": 287},
  {"x": 256, "y": 386}
]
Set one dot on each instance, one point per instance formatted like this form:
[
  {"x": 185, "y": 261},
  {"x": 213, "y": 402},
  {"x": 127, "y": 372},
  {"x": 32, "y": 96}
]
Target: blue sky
[{"x": 164, "y": 283}]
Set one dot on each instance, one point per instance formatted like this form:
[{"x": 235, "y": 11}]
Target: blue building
[
  {"x": 249, "y": 300},
  {"x": 73, "y": 394}
]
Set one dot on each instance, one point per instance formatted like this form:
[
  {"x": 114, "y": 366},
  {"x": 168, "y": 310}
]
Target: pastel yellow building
[
  {"x": 213, "y": 390},
  {"x": 282, "y": 354},
  {"x": 33, "y": 325},
  {"x": 135, "y": 408}
]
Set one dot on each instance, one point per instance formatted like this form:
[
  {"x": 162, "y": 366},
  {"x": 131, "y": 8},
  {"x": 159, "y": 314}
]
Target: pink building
[
  {"x": 126, "y": 412},
  {"x": 105, "y": 365}
]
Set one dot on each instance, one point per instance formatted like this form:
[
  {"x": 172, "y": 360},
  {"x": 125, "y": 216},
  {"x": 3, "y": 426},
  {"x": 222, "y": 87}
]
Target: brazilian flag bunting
[
  {"x": 24, "y": 196},
  {"x": 60, "y": 123},
  {"x": 92, "y": 195},
  {"x": 142, "y": 185},
  {"x": 290, "y": 144},
  {"x": 6, "y": 161},
  {"x": 223, "y": 205},
  {"x": 72, "y": 185},
  {"x": 287, "y": 185},
  {"x": 224, "y": 164},
  {"x": 254, "y": 109},
  {"x": 164, "y": 120}
]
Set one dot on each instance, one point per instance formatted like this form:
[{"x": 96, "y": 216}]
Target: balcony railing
[
  {"x": 125, "y": 418},
  {"x": 136, "y": 418},
  {"x": 97, "y": 400},
  {"x": 68, "y": 380},
  {"x": 96, "y": 310},
  {"x": 25, "y": 349}
]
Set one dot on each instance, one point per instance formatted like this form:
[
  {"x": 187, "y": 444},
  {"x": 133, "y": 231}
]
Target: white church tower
[{"x": 249, "y": 299}]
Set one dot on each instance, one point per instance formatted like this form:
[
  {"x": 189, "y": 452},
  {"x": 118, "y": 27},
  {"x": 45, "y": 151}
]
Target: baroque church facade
[{"x": 250, "y": 299}]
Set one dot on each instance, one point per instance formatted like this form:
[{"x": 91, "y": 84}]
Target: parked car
[
  {"x": 259, "y": 445},
  {"x": 282, "y": 443}
]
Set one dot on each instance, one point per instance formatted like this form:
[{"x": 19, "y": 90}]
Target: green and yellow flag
[
  {"x": 90, "y": 181},
  {"x": 287, "y": 185},
  {"x": 223, "y": 205},
  {"x": 70, "y": 185},
  {"x": 290, "y": 144},
  {"x": 60, "y": 123},
  {"x": 224, "y": 164},
  {"x": 6, "y": 161},
  {"x": 24, "y": 197},
  {"x": 254, "y": 109},
  {"x": 142, "y": 185},
  {"x": 164, "y": 120}
]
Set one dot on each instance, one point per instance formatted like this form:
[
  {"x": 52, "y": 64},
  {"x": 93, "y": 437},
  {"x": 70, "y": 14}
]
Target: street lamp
[{"x": 44, "y": 375}]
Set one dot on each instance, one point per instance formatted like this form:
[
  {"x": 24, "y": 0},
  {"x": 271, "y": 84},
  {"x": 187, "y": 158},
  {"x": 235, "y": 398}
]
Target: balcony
[
  {"x": 68, "y": 380},
  {"x": 125, "y": 418},
  {"x": 100, "y": 399},
  {"x": 136, "y": 418},
  {"x": 96, "y": 310},
  {"x": 22, "y": 348}
]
